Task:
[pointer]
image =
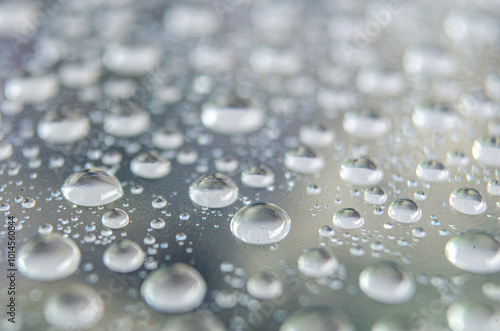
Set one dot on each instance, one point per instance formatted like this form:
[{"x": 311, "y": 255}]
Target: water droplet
[
  {"x": 405, "y": 211},
  {"x": 265, "y": 286},
  {"x": 386, "y": 282},
  {"x": 187, "y": 156},
  {"x": 361, "y": 172},
  {"x": 115, "y": 218},
  {"x": 316, "y": 135},
  {"x": 32, "y": 89},
  {"x": 434, "y": 116},
  {"x": 304, "y": 160},
  {"x": 456, "y": 158},
  {"x": 348, "y": 218},
  {"x": 131, "y": 60},
  {"x": 6, "y": 150},
  {"x": 487, "y": 150},
  {"x": 126, "y": 120},
  {"x": 365, "y": 124},
  {"x": 257, "y": 176},
  {"x": 112, "y": 157},
  {"x": 178, "y": 288},
  {"x": 260, "y": 224},
  {"x": 473, "y": 315},
  {"x": 494, "y": 187},
  {"x": 185, "y": 21},
  {"x": 45, "y": 228},
  {"x": 150, "y": 165},
  {"x": 197, "y": 321},
  {"x": 92, "y": 187},
  {"x": 375, "y": 195},
  {"x": 432, "y": 171},
  {"x": 157, "y": 223},
  {"x": 474, "y": 251},
  {"x": 380, "y": 82},
  {"x": 75, "y": 307},
  {"x": 159, "y": 202},
  {"x": 48, "y": 257},
  {"x": 125, "y": 256},
  {"x": 226, "y": 164},
  {"x": 28, "y": 203},
  {"x": 63, "y": 126},
  {"x": 233, "y": 115},
  {"x": 326, "y": 231},
  {"x": 166, "y": 138},
  {"x": 468, "y": 201},
  {"x": 213, "y": 191},
  {"x": 317, "y": 318},
  {"x": 491, "y": 291},
  {"x": 317, "y": 262}
]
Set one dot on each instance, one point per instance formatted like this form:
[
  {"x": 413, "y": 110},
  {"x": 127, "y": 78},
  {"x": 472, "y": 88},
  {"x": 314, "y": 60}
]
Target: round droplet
[
  {"x": 468, "y": 201},
  {"x": 487, "y": 151},
  {"x": 150, "y": 165},
  {"x": 434, "y": 116},
  {"x": 48, "y": 257},
  {"x": 474, "y": 251},
  {"x": 365, "y": 124},
  {"x": 213, "y": 191},
  {"x": 304, "y": 160},
  {"x": 265, "y": 286},
  {"x": 92, "y": 187},
  {"x": 233, "y": 115},
  {"x": 125, "y": 256},
  {"x": 472, "y": 315},
  {"x": 375, "y": 195},
  {"x": 260, "y": 224},
  {"x": 348, "y": 218},
  {"x": 361, "y": 172},
  {"x": 165, "y": 138},
  {"x": 432, "y": 171},
  {"x": 197, "y": 321},
  {"x": 405, "y": 211},
  {"x": 126, "y": 120},
  {"x": 115, "y": 218},
  {"x": 157, "y": 223},
  {"x": 316, "y": 135},
  {"x": 159, "y": 202},
  {"x": 178, "y": 288},
  {"x": 494, "y": 187},
  {"x": 386, "y": 282},
  {"x": 75, "y": 307},
  {"x": 131, "y": 60},
  {"x": 63, "y": 127},
  {"x": 317, "y": 318},
  {"x": 257, "y": 176},
  {"x": 318, "y": 263}
]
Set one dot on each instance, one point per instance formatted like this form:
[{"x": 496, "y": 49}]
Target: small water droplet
[
  {"x": 405, "y": 211},
  {"x": 115, "y": 218},
  {"x": 213, "y": 191},
  {"x": 257, "y": 176}
]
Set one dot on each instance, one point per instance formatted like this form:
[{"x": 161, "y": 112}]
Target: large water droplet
[
  {"x": 348, "y": 218},
  {"x": 48, "y": 257},
  {"x": 213, "y": 191},
  {"x": 432, "y": 171},
  {"x": 304, "y": 160},
  {"x": 115, "y": 218},
  {"x": 316, "y": 135},
  {"x": 365, "y": 124},
  {"x": 405, "y": 211},
  {"x": 150, "y": 165},
  {"x": 468, "y": 201},
  {"x": 265, "y": 286},
  {"x": 257, "y": 176},
  {"x": 63, "y": 126},
  {"x": 75, "y": 307},
  {"x": 197, "y": 321},
  {"x": 361, "y": 172},
  {"x": 472, "y": 315},
  {"x": 487, "y": 151},
  {"x": 125, "y": 256},
  {"x": 317, "y": 318},
  {"x": 474, "y": 251},
  {"x": 126, "y": 120},
  {"x": 434, "y": 116},
  {"x": 92, "y": 187},
  {"x": 178, "y": 288},
  {"x": 317, "y": 262},
  {"x": 232, "y": 115},
  {"x": 260, "y": 224},
  {"x": 386, "y": 282}
]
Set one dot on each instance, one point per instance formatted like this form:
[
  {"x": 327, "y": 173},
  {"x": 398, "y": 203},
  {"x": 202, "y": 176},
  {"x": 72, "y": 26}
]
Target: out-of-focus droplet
[
  {"x": 487, "y": 151},
  {"x": 265, "y": 286},
  {"x": 379, "y": 82},
  {"x": 405, "y": 211},
  {"x": 317, "y": 262},
  {"x": 365, "y": 124},
  {"x": 434, "y": 116},
  {"x": 32, "y": 89},
  {"x": 150, "y": 165},
  {"x": 125, "y": 256},
  {"x": 226, "y": 163},
  {"x": 213, "y": 191},
  {"x": 131, "y": 60},
  {"x": 318, "y": 318},
  {"x": 63, "y": 127},
  {"x": 165, "y": 138},
  {"x": 361, "y": 172},
  {"x": 183, "y": 21},
  {"x": 126, "y": 120},
  {"x": 316, "y": 135},
  {"x": 432, "y": 171},
  {"x": 473, "y": 315},
  {"x": 198, "y": 321},
  {"x": 257, "y": 176},
  {"x": 304, "y": 160}
]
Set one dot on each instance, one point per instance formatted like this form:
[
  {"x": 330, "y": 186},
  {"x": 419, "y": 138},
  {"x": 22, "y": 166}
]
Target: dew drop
[
  {"x": 32, "y": 89},
  {"x": 226, "y": 164},
  {"x": 468, "y": 201},
  {"x": 260, "y": 224},
  {"x": 213, "y": 191},
  {"x": 48, "y": 257},
  {"x": 157, "y": 223},
  {"x": 375, "y": 195},
  {"x": 115, "y": 218},
  {"x": 361, "y": 171},
  {"x": 165, "y": 138},
  {"x": 265, "y": 286},
  {"x": 472, "y": 315},
  {"x": 405, "y": 211},
  {"x": 386, "y": 282},
  {"x": 150, "y": 165},
  {"x": 257, "y": 176},
  {"x": 317, "y": 318},
  {"x": 348, "y": 218},
  {"x": 432, "y": 171},
  {"x": 487, "y": 151},
  {"x": 125, "y": 256},
  {"x": 178, "y": 288},
  {"x": 92, "y": 187},
  {"x": 63, "y": 127},
  {"x": 126, "y": 120},
  {"x": 316, "y": 135},
  {"x": 474, "y": 251},
  {"x": 317, "y": 262},
  {"x": 131, "y": 60},
  {"x": 434, "y": 116},
  {"x": 365, "y": 124},
  {"x": 304, "y": 160}
]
